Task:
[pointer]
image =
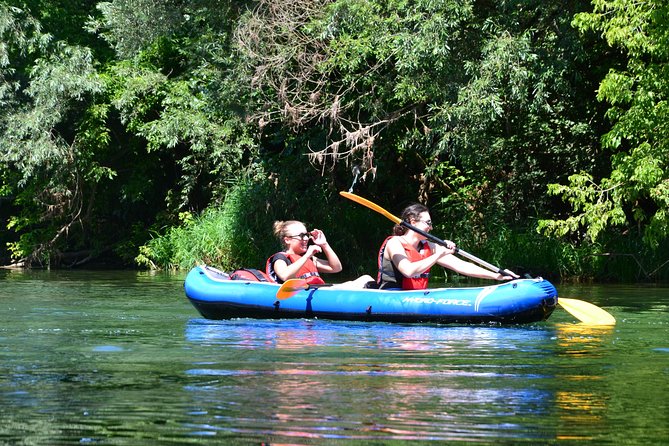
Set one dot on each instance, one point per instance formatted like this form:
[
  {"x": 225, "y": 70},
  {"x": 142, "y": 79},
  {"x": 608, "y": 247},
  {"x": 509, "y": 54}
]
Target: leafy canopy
[{"x": 637, "y": 190}]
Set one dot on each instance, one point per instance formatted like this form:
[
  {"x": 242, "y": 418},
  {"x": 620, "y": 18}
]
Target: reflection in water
[
  {"x": 432, "y": 383},
  {"x": 581, "y": 410},
  {"x": 569, "y": 332}
]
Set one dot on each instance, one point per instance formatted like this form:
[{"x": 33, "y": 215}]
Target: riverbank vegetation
[{"x": 161, "y": 134}]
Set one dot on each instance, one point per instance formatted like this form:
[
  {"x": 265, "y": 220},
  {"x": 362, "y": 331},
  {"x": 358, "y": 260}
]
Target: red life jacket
[
  {"x": 309, "y": 271},
  {"x": 389, "y": 274}
]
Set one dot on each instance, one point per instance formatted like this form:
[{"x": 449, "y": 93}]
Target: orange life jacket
[
  {"x": 309, "y": 271},
  {"x": 390, "y": 276}
]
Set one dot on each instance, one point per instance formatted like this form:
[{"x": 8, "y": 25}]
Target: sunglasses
[{"x": 303, "y": 236}]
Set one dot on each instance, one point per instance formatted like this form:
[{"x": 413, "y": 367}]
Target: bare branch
[{"x": 287, "y": 62}]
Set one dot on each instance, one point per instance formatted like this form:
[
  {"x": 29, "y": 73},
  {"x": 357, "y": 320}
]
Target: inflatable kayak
[{"x": 216, "y": 296}]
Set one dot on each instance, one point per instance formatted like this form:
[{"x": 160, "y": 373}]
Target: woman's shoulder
[
  {"x": 281, "y": 255},
  {"x": 390, "y": 239},
  {"x": 394, "y": 240}
]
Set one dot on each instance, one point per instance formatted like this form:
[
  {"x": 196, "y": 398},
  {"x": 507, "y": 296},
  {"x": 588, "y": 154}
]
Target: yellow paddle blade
[
  {"x": 372, "y": 206},
  {"x": 290, "y": 287},
  {"x": 586, "y": 312}
]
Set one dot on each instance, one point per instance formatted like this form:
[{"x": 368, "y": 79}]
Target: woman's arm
[
  {"x": 469, "y": 269},
  {"x": 396, "y": 253},
  {"x": 331, "y": 263}
]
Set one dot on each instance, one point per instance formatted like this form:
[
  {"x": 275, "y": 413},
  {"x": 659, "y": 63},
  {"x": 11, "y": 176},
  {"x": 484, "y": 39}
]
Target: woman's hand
[
  {"x": 331, "y": 264},
  {"x": 313, "y": 250},
  {"x": 443, "y": 250},
  {"x": 318, "y": 237},
  {"x": 512, "y": 276}
]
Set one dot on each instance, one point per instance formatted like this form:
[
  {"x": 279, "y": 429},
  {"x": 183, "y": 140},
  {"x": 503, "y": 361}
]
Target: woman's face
[
  {"x": 424, "y": 221},
  {"x": 297, "y": 238}
]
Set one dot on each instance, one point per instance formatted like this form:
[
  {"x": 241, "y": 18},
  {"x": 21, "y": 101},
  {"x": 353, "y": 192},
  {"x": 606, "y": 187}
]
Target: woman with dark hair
[{"x": 405, "y": 258}]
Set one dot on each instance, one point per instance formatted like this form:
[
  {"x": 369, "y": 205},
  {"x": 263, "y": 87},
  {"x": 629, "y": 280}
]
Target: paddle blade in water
[
  {"x": 586, "y": 312},
  {"x": 290, "y": 287}
]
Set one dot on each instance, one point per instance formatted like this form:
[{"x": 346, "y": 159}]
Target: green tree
[
  {"x": 41, "y": 160},
  {"x": 521, "y": 117},
  {"x": 96, "y": 145},
  {"x": 635, "y": 194},
  {"x": 475, "y": 102},
  {"x": 119, "y": 117}
]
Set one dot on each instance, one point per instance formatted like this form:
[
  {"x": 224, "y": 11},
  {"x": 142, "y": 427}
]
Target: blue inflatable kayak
[{"x": 215, "y": 296}]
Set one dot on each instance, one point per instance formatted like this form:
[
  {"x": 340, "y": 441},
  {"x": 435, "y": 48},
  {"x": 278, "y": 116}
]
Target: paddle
[
  {"x": 583, "y": 311},
  {"x": 586, "y": 312},
  {"x": 292, "y": 286},
  {"x": 435, "y": 239}
]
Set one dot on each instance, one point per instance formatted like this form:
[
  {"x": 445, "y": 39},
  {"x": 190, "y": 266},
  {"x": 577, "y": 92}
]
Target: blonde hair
[{"x": 280, "y": 228}]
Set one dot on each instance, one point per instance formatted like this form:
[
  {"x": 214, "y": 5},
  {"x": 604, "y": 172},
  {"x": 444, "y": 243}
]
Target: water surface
[{"x": 122, "y": 358}]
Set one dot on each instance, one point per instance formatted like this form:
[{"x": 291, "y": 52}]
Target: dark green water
[{"x": 121, "y": 358}]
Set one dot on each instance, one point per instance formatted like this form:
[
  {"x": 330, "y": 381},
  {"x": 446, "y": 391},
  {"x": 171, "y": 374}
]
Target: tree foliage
[
  {"x": 84, "y": 129},
  {"x": 635, "y": 193},
  {"x": 45, "y": 164},
  {"x": 479, "y": 102},
  {"x": 118, "y": 119}
]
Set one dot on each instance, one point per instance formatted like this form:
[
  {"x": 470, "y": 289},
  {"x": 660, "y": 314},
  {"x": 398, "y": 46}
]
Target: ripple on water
[{"x": 108, "y": 348}]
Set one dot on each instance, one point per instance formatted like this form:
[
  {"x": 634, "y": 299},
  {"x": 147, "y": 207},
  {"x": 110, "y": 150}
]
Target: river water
[{"x": 122, "y": 358}]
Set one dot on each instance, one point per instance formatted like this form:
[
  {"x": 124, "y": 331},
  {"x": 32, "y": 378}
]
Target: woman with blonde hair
[{"x": 306, "y": 255}]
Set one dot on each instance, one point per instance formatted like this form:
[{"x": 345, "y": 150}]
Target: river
[{"x": 122, "y": 358}]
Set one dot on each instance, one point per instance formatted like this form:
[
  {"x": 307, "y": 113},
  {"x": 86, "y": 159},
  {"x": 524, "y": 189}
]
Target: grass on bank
[{"x": 238, "y": 234}]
